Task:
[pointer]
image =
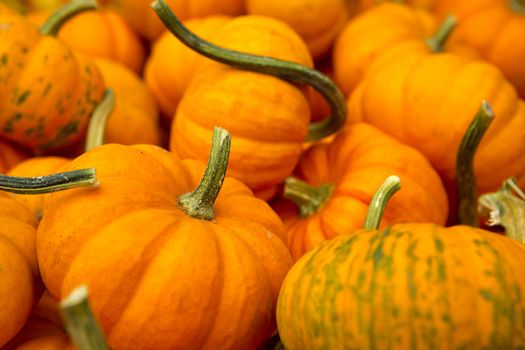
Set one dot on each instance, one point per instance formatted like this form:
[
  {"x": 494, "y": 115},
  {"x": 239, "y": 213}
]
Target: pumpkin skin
[
  {"x": 501, "y": 43},
  {"x": 100, "y": 34},
  {"x": 267, "y": 117},
  {"x": 171, "y": 64},
  {"x": 372, "y": 33},
  {"x": 424, "y": 4},
  {"x": 20, "y": 286},
  {"x": 10, "y": 155},
  {"x": 355, "y": 163},
  {"x": 37, "y": 111},
  {"x": 406, "y": 286},
  {"x": 419, "y": 99},
  {"x": 318, "y": 32},
  {"x": 151, "y": 239},
  {"x": 139, "y": 14}
]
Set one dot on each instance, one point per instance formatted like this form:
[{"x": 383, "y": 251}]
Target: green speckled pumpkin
[
  {"x": 47, "y": 91},
  {"x": 408, "y": 286}
]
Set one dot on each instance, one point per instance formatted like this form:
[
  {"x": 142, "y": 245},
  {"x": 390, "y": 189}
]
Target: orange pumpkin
[
  {"x": 268, "y": 116},
  {"x": 19, "y": 278},
  {"x": 138, "y": 12},
  {"x": 318, "y": 31},
  {"x": 425, "y": 4},
  {"x": 171, "y": 64},
  {"x": 37, "y": 111},
  {"x": 103, "y": 34},
  {"x": 419, "y": 98},
  {"x": 502, "y": 43},
  {"x": 405, "y": 286},
  {"x": 341, "y": 177},
  {"x": 168, "y": 294}
]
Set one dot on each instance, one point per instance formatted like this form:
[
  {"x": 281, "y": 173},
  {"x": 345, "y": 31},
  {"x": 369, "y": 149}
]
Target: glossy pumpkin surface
[
  {"x": 38, "y": 110},
  {"x": 179, "y": 280},
  {"x": 406, "y": 286},
  {"x": 354, "y": 165}
]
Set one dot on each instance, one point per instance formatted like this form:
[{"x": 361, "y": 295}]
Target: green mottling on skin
[
  {"x": 47, "y": 89},
  {"x": 25, "y": 49},
  {"x": 29, "y": 131},
  {"x": 4, "y": 59},
  {"x": 22, "y": 97}
]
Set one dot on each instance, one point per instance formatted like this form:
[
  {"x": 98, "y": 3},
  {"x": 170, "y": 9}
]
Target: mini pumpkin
[
  {"x": 37, "y": 111},
  {"x": 221, "y": 265}
]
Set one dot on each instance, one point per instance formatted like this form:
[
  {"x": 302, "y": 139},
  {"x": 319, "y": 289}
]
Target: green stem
[
  {"x": 49, "y": 183},
  {"x": 517, "y": 6},
  {"x": 308, "y": 198},
  {"x": 290, "y": 71},
  {"x": 506, "y": 207},
  {"x": 80, "y": 323},
  {"x": 465, "y": 178},
  {"x": 57, "y": 19},
  {"x": 199, "y": 203},
  {"x": 438, "y": 40},
  {"x": 379, "y": 202},
  {"x": 97, "y": 123}
]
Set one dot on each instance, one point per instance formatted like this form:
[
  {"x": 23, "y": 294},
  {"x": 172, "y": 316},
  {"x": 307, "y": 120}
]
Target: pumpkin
[
  {"x": 19, "y": 276},
  {"x": 171, "y": 64},
  {"x": 336, "y": 181},
  {"x": 406, "y": 286},
  {"x": 268, "y": 117},
  {"x": 144, "y": 21},
  {"x": 501, "y": 43},
  {"x": 168, "y": 294},
  {"x": 424, "y": 4},
  {"x": 10, "y": 155},
  {"x": 318, "y": 32},
  {"x": 37, "y": 111},
  {"x": 419, "y": 99},
  {"x": 102, "y": 34}
]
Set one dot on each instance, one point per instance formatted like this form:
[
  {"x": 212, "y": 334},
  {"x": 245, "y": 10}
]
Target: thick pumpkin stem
[
  {"x": 57, "y": 19},
  {"x": 80, "y": 323},
  {"x": 97, "y": 123},
  {"x": 517, "y": 6},
  {"x": 308, "y": 198},
  {"x": 438, "y": 40},
  {"x": 379, "y": 201},
  {"x": 49, "y": 183},
  {"x": 199, "y": 203},
  {"x": 465, "y": 178},
  {"x": 286, "y": 70},
  {"x": 506, "y": 207}
]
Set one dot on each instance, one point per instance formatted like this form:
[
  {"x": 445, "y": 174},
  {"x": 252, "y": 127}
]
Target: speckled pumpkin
[
  {"x": 418, "y": 286},
  {"x": 47, "y": 90}
]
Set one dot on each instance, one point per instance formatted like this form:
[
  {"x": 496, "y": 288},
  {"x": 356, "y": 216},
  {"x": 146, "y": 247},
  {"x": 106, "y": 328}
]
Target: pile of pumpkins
[{"x": 260, "y": 174}]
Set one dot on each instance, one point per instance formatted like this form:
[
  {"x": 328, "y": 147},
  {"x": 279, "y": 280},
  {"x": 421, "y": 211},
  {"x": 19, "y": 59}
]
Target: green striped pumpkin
[{"x": 408, "y": 286}]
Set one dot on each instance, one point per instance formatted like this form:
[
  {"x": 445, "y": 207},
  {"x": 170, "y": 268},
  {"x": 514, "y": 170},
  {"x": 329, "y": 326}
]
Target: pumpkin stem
[
  {"x": 61, "y": 15},
  {"x": 379, "y": 201},
  {"x": 517, "y": 6},
  {"x": 308, "y": 198},
  {"x": 97, "y": 123},
  {"x": 438, "y": 40},
  {"x": 465, "y": 178},
  {"x": 199, "y": 203},
  {"x": 49, "y": 183},
  {"x": 506, "y": 207},
  {"x": 80, "y": 323},
  {"x": 286, "y": 70}
]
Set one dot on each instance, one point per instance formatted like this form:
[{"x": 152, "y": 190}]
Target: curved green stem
[
  {"x": 290, "y": 71},
  {"x": 53, "y": 24},
  {"x": 308, "y": 198},
  {"x": 97, "y": 123},
  {"x": 80, "y": 323},
  {"x": 199, "y": 203},
  {"x": 465, "y": 178},
  {"x": 506, "y": 207},
  {"x": 49, "y": 183},
  {"x": 379, "y": 202},
  {"x": 438, "y": 40},
  {"x": 517, "y": 6}
]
